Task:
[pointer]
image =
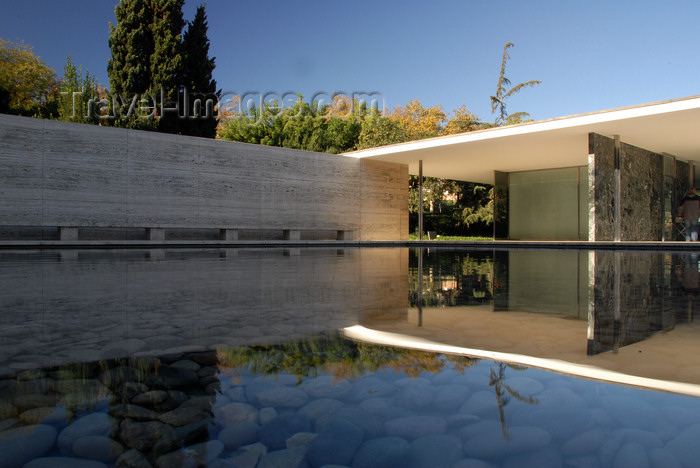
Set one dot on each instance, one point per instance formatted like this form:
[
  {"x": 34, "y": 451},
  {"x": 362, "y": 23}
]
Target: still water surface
[{"x": 348, "y": 357}]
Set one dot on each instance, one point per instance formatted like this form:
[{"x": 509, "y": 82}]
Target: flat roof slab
[{"x": 671, "y": 127}]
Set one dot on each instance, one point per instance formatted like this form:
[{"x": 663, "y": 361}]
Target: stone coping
[{"x": 495, "y": 244}]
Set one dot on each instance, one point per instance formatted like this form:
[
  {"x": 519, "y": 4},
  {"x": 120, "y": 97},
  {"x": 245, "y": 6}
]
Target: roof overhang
[{"x": 668, "y": 127}]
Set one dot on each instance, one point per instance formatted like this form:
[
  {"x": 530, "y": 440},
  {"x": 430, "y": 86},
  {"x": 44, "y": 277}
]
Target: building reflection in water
[{"x": 625, "y": 297}]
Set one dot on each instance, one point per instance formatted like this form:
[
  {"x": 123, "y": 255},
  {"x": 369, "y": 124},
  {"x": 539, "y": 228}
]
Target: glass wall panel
[
  {"x": 544, "y": 204},
  {"x": 500, "y": 206}
]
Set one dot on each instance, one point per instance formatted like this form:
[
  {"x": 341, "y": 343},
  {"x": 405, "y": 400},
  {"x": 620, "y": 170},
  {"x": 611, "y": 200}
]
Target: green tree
[
  {"x": 381, "y": 130},
  {"x": 27, "y": 85},
  {"x": 333, "y": 128},
  {"x": 76, "y": 91},
  {"x": 131, "y": 44},
  {"x": 150, "y": 64},
  {"x": 498, "y": 102},
  {"x": 197, "y": 79},
  {"x": 166, "y": 60}
]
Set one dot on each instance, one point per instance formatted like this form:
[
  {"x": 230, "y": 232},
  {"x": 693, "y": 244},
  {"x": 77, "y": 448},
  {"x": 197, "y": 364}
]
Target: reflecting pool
[{"x": 348, "y": 357}]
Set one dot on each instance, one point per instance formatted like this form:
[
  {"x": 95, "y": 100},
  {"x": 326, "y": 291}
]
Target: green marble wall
[{"x": 641, "y": 191}]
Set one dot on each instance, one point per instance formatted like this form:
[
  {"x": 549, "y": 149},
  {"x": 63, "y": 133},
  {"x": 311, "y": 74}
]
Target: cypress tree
[
  {"x": 166, "y": 59},
  {"x": 151, "y": 59},
  {"x": 131, "y": 44},
  {"x": 129, "y": 71},
  {"x": 197, "y": 78}
]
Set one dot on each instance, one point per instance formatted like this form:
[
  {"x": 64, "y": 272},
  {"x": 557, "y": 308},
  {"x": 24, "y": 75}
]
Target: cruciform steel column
[
  {"x": 420, "y": 200},
  {"x": 617, "y": 196}
]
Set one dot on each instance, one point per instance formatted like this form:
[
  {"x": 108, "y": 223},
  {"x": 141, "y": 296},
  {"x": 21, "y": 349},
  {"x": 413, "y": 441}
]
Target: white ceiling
[{"x": 671, "y": 127}]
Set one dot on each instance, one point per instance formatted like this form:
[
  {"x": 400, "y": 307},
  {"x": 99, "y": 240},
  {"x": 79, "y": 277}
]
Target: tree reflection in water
[{"x": 503, "y": 390}]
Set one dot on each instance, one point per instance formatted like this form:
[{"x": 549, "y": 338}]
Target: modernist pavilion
[{"x": 616, "y": 175}]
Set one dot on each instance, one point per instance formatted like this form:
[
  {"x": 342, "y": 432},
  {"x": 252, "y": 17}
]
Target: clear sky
[{"x": 590, "y": 55}]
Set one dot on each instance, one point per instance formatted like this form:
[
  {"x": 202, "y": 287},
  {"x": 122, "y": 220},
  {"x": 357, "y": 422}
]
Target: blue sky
[{"x": 590, "y": 56}]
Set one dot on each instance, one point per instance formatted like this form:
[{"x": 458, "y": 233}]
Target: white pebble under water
[{"x": 490, "y": 415}]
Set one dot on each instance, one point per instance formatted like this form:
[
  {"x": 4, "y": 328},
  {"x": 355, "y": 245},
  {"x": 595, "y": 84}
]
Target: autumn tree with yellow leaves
[{"x": 27, "y": 85}]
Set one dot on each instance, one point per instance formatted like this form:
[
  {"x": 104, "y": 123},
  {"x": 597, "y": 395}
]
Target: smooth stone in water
[
  {"x": 562, "y": 397},
  {"x": 321, "y": 407},
  {"x": 99, "y": 424},
  {"x": 481, "y": 426},
  {"x": 473, "y": 463},
  {"x": 561, "y": 423},
  {"x": 195, "y": 455},
  {"x": 480, "y": 404},
  {"x": 98, "y": 448},
  {"x": 136, "y": 412},
  {"x": 7, "y": 410},
  {"x": 662, "y": 458},
  {"x": 64, "y": 462},
  {"x": 435, "y": 450},
  {"x": 417, "y": 396},
  {"x": 236, "y": 394},
  {"x": 632, "y": 412},
  {"x": 19, "y": 445},
  {"x": 245, "y": 459},
  {"x": 236, "y": 412},
  {"x": 27, "y": 402},
  {"x": 283, "y": 397},
  {"x": 547, "y": 457},
  {"x": 450, "y": 397},
  {"x": 685, "y": 446},
  {"x": 384, "y": 452},
  {"x": 679, "y": 416},
  {"x": 413, "y": 427},
  {"x": 492, "y": 445},
  {"x": 609, "y": 449},
  {"x": 586, "y": 443},
  {"x": 173, "y": 377},
  {"x": 142, "y": 435},
  {"x": 632, "y": 454},
  {"x": 266, "y": 415},
  {"x": 325, "y": 387},
  {"x": 370, "y": 387},
  {"x": 183, "y": 415},
  {"x": 524, "y": 385},
  {"x": 183, "y": 435},
  {"x": 187, "y": 364},
  {"x": 370, "y": 424},
  {"x": 337, "y": 443},
  {"x": 238, "y": 434},
  {"x": 55, "y": 416},
  {"x": 275, "y": 433},
  {"x": 301, "y": 439},
  {"x": 150, "y": 398},
  {"x": 289, "y": 458},
  {"x": 132, "y": 458}
]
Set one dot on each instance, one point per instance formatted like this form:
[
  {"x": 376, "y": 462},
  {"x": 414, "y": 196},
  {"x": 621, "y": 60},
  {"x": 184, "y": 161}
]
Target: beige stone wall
[{"x": 65, "y": 174}]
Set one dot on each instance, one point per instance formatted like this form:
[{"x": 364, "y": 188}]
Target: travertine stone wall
[
  {"x": 65, "y": 174},
  {"x": 641, "y": 190}
]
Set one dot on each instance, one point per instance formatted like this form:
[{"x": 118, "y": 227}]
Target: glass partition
[{"x": 545, "y": 204}]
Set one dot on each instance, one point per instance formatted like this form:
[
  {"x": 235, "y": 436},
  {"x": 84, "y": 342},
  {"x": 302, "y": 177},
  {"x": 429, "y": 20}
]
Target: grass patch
[{"x": 451, "y": 238}]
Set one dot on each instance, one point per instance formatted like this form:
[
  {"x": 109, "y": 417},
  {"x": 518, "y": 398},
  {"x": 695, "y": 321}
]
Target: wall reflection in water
[
  {"x": 64, "y": 307},
  {"x": 61, "y": 307}
]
